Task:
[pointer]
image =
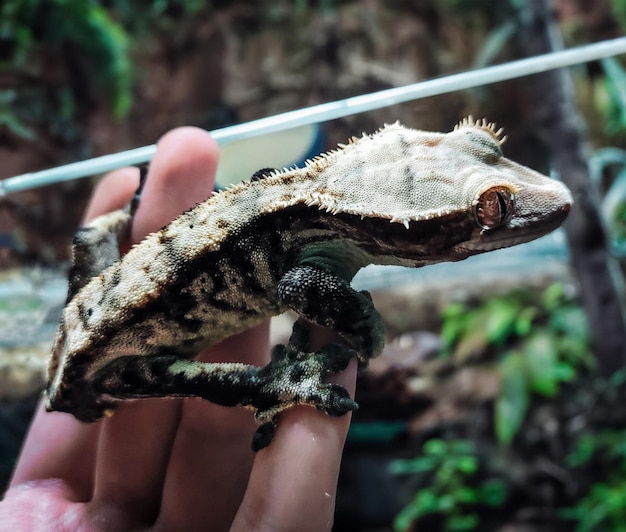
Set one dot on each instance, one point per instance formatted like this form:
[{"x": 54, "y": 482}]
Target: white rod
[{"x": 331, "y": 111}]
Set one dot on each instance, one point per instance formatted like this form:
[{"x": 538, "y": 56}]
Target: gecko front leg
[
  {"x": 326, "y": 299},
  {"x": 323, "y": 297}
]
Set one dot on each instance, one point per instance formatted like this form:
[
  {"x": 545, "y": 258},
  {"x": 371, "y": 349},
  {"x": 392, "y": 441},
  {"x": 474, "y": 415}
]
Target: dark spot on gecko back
[
  {"x": 262, "y": 174},
  {"x": 164, "y": 238},
  {"x": 116, "y": 278},
  {"x": 84, "y": 313},
  {"x": 296, "y": 373}
]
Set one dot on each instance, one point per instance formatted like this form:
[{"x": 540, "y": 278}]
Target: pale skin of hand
[{"x": 178, "y": 464}]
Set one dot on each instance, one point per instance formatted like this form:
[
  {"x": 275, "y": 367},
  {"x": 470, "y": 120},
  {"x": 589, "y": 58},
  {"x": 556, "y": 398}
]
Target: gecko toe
[
  {"x": 263, "y": 436},
  {"x": 337, "y": 401}
]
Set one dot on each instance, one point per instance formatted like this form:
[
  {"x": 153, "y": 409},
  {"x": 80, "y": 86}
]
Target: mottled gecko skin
[{"x": 290, "y": 239}]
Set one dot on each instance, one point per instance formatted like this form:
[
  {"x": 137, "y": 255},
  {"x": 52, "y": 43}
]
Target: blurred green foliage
[
  {"x": 619, "y": 11},
  {"x": 544, "y": 342},
  {"x": 454, "y": 490},
  {"x": 538, "y": 342},
  {"x": 611, "y": 97},
  {"x": 62, "y": 55},
  {"x": 607, "y": 169},
  {"x": 32, "y": 30},
  {"x": 148, "y": 18},
  {"x": 604, "y": 506},
  {"x": 10, "y": 119}
]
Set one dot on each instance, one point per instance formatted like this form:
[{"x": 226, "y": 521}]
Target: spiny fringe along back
[{"x": 489, "y": 127}]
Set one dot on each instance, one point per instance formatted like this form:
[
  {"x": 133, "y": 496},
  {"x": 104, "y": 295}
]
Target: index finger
[{"x": 293, "y": 482}]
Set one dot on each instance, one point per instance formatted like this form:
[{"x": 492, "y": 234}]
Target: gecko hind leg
[
  {"x": 292, "y": 377},
  {"x": 96, "y": 245}
]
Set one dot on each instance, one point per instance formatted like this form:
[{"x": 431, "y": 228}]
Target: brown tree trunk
[{"x": 563, "y": 129}]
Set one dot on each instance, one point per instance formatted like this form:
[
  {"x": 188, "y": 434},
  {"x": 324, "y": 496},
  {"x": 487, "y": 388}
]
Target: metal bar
[{"x": 331, "y": 111}]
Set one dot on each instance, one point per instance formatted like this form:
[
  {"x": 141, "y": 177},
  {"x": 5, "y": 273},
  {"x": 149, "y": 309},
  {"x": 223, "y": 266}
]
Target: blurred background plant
[
  {"x": 450, "y": 468},
  {"x": 85, "y": 37},
  {"x": 539, "y": 343}
]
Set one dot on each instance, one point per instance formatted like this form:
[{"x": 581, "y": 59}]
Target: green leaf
[
  {"x": 463, "y": 522},
  {"x": 553, "y": 296},
  {"x": 474, "y": 340},
  {"x": 462, "y": 447},
  {"x": 524, "y": 321},
  {"x": 512, "y": 403},
  {"x": 9, "y": 118},
  {"x": 446, "y": 503},
  {"x": 454, "y": 318},
  {"x": 493, "y": 492},
  {"x": 448, "y": 472},
  {"x": 421, "y": 464},
  {"x": 405, "y": 518},
  {"x": 16, "y": 126},
  {"x": 615, "y": 82},
  {"x": 571, "y": 321},
  {"x": 501, "y": 319},
  {"x": 466, "y": 495},
  {"x": 494, "y": 43},
  {"x": 564, "y": 372},
  {"x": 427, "y": 501},
  {"x": 542, "y": 359},
  {"x": 436, "y": 447},
  {"x": 575, "y": 353},
  {"x": 583, "y": 451},
  {"x": 468, "y": 464}
]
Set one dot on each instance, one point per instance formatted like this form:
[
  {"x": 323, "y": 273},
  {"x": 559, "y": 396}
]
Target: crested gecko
[{"x": 290, "y": 239}]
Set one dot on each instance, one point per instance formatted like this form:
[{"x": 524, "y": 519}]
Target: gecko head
[
  {"x": 519, "y": 206},
  {"x": 455, "y": 193},
  {"x": 510, "y": 203}
]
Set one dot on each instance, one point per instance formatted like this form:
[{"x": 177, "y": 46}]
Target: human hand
[{"x": 178, "y": 464}]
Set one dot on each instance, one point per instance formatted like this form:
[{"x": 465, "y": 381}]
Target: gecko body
[{"x": 290, "y": 239}]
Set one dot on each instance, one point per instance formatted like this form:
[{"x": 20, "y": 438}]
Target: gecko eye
[{"x": 494, "y": 207}]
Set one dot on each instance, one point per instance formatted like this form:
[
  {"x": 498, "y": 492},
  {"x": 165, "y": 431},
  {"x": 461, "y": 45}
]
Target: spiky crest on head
[{"x": 489, "y": 127}]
